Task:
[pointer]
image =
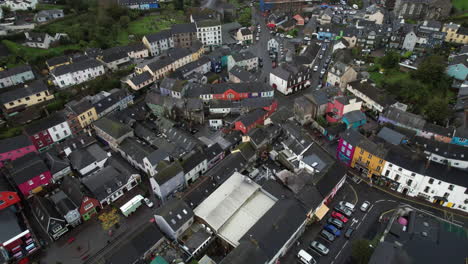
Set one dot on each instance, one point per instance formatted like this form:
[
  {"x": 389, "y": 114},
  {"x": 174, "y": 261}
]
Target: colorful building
[
  {"x": 30, "y": 174},
  {"x": 85, "y": 112},
  {"x": 14, "y": 148}
]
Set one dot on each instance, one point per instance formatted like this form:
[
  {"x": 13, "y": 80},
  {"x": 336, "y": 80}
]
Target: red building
[
  {"x": 231, "y": 91},
  {"x": 254, "y": 118},
  {"x": 39, "y": 137},
  {"x": 341, "y": 105},
  {"x": 30, "y": 174},
  {"x": 14, "y": 148},
  {"x": 87, "y": 206}
]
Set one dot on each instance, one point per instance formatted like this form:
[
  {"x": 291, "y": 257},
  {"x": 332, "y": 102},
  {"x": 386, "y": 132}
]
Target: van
[{"x": 305, "y": 257}]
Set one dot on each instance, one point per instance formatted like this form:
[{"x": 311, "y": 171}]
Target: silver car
[{"x": 319, "y": 247}]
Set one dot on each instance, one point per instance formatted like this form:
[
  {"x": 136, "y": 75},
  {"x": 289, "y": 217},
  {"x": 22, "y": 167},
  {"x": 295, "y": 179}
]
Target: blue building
[
  {"x": 354, "y": 119},
  {"x": 140, "y": 4},
  {"x": 460, "y": 137}
]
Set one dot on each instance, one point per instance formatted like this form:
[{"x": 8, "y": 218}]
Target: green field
[
  {"x": 460, "y": 5},
  {"x": 48, "y": 7},
  {"x": 33, "y": 54},
  {"x": 154, "y": 23}
]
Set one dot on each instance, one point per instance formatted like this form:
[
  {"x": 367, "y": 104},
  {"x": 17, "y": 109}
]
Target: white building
[
  {"x": 410, "y": 41},
  {"x": 246, "y": 60},
  {"x": 89, "y": 159},
  {"x": 159, "y": 42},
  {"x": 194, "y": 165},
  {"x": 60, "y": 131},
  {"x": 42, "y": 40},
  {"x": 173, "y": 218},
  {"x": 273, "y": 44},
  {"x": 444, "y": 153},
  {"x": 288, "y": 79},
  {"x": 76, "y": 73},
  {"x": 208, "y": 29},
  {"x": 16, "y": 5},
  {"x": 370, "y": 95}
]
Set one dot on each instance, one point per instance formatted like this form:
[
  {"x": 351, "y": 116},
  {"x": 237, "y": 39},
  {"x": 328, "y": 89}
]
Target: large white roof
[{"x": 233, "y": 208}]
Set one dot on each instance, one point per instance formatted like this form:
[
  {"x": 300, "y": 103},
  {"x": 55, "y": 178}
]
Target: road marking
[
  {"x": 354, "y": 220},
  {"x": 339, "y": 252},
  {"x": 370, "y": 208},
  {"x": 355, "y": 193},
  {"x": 391, "y": 201},
  {"x": 333, "y": 261},
  {"x": 379, "y": 201}
]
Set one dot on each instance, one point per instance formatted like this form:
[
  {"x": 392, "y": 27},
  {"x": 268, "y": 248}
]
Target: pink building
[
  {"x": 30, "y": 174},
  {"x": 299, "y": 20},
  {"x": 339, "y": 106},
  {"x": 14, "y": 148}
]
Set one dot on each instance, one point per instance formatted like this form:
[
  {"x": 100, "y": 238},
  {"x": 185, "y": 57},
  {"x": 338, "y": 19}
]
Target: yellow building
[
  {"x": 368, "y": 158},
  {"x": 85, "y": 112},
  {"x": 455, "y": 33},
  {"x": 26, "y": 96},
  {"x": 57, "y": 61}
]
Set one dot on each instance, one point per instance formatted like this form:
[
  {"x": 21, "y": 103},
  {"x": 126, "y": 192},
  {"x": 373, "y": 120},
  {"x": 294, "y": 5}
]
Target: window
[
  {"x": 362, "y": 151},
  {"x": 387, "y": 173},
  {"x": 446, "y": 195},
  {"x": 397, "y": 177},
  {"x": 342, "y": 149},
  {"x": 30, "y": 182},
  {"x": 413, "y": 174},
  {"x": 88, "y": 206},
  {"x": 381, "y": 161},
  {"x": 451, "y": 187},
  {"x": 44, "y": 133},
  {"x": 409, "y": 182},
  {"x": 42, "y": 176},
  {"x": 345, "y": 143},
  {"x": 367, "y": 163},
  {"x": 431, "y": 181},
  {"x": 370, "y": 156},
  {"x": 399, "y": 169},
  {"x": 378, "y": 168},
  {"x": 426, "y": 190},
  {"x": 10, "y": 197}
]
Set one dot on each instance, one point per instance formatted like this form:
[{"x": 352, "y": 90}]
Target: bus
[{"x": 131, "y": 205}]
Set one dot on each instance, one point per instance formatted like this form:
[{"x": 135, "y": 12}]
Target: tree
[
  {"x": 437, "y": 110},
  {"x": 390, "y": 60},
  {"x": 179, "y": 4},
  {"x": 362, "y": 251},
  {"x": 109, "y": 219},
  {"x": 432, "y": 71},
  {"x": 245, "y": 17},
  {"x": 124, "y": 21}
]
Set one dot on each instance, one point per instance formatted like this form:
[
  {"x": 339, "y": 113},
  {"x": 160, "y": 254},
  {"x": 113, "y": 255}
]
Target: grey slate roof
[
  {"x": 141, "y": 78},
  {"x": 81, "y": 158},
  {"x": 27, "y": 167},
  {"x": 26, "y": 90},
  {"x": 72, "y": 188},
  {"x": 76, "y": 66},
  {"x": 405, "y": 118},
  {"x": 14, "y": 71},
  {"x": 156, "y": 156},
  {"x": 242, "y": 74},
  {"x": 391, "y": 136},
  {"x": 164, "y": 34},
  {"x": 176, "y": 213},
  {"x": 133, "y": 148},
  {"x": 14, "y": 143},
  {"x": 354, "y": 116},
  {"x": 183, "y": 28},
  {"x": 63, "y": 203},
  {"x": 168, "y": 172},
  {"x": 46, "y": 123},
  {"x": 113, "y": 128},
  {"x": 192, "y": 160}
]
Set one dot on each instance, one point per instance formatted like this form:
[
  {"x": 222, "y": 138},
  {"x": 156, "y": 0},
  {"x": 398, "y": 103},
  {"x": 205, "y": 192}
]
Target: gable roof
[
  {"x": 176, "y": 213},
  {"x": 113, "y": 128},
  {"x": 27, "y": 167},
  {"x": 22, "y": 92},
  {"x": 83, "y": 157},
  {"x": 71, "y": 186},
  {"x": 164, "y": 34},
  {"x": 45, "y": 123},
  {"x": 404, "y": 118},
  {"x": 45, "y": 211},
  {"x": 14, "y": 143},
  {"x": 14, "y": 71},
  {"x": 76, "y": 66}
]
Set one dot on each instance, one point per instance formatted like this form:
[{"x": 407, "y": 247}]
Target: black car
[
  {"x": 349, "y": 232},
  {"x": 327, "y": 235},
  {"x": 336, "y": 222},
  {"x": 344, "y": 210}
]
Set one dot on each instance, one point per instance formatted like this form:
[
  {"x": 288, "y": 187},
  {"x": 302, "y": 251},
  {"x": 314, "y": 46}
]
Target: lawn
[
  {"x": 48, "y": 7},
  {"x": 154, "y": 23},
  {"x": 376, "y": 77},
  {"x": 33, "y": 54},
  {"x": 461, "y": 5}
]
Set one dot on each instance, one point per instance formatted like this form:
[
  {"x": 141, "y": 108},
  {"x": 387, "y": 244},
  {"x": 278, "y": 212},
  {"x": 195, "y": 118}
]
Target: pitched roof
[
  {"x": 404, "y": 118},
  {"x": 192, "y": 160},
  {"x": 391, "y": 136},
  {"x": 22, "y": 92},
  {"x": 27, "y": 167},
  {"x": 168, "y": 172},
  {"x": 135, "y": 149},
  {"x": 252, "y": 117},
  {"x": 14, "y": 71},
  {"x": 83, "y": 157},
  {"x": 183, "y": 28},
  {"x": 63, "y": 203},
  {"x": 176, "y": 213},
  {"x": 164, "y": 34},
  {"x": 113, "y": 128},
  {"x": 72, "y": 188},
  {"x": 76, "y": 66},
  {"x": 141, "y": 78},
  {"x": 79, "y": 107},
  {"x": 14, "y": 143},
  {"x": 45, "y": 123}
]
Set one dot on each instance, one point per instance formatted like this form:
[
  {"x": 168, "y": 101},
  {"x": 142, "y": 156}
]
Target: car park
[
  {"x": 349, "y": 232},
  {"x": 305, "y": 257},
  {"x": 339, "y": 216},
  {"x": 332, "y": 229},
  {"x": 327, "y": 235},
  {"x": 365, "y": 206},
  {"x": 319, "y": 247},
  {"x": 335, "y": 222},
  {"x": 344, "y": 210},
  {"x": 350, "y": 206}
]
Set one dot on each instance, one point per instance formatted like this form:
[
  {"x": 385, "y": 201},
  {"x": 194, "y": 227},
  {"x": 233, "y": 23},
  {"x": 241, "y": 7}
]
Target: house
[
  {"x": 66, "y": 208},
  {"x": 443, "y": 153},
  {"x": 194, "y": 165},
  {"x": 460, "y": 137},
  {"x": 303, "y": 110},
  {"x": 110, "y": 183},
  {"x": 168, "y": 180},
  {"x": 410, "y": 38},
  {"x": 273, "y": 44},
  {"x": 58, "y": 61},
  {"x": 250, "y": 120},
  {"x": 194, "y": 111},
  {"x": 14, "y": 148},
  {"x": 42, "y": 40},
  {"x": 244, "y": 35},
  {"x": 19, "y": 99},
  {"x": 320, "y": 99},
  {"x": 89, "y": 159},
  {"x": 77, "y": 72},
  {"x": 404, "y": 119},
  {"x": 87, "y": 205},
  {"x": 340, "y": 75},
  {"x": 173, "y": 218},
  {"x": 290, "y": 78},
  {"x": 339, "y": 106},
  {"x": 16, "y": 75},
  {"x": 240, "y": 75},
  {"x": 342, "y": 43},
  {"x": 455, "y": 33},
  {"x": 135, "y": 152},
  {"x": 208, "y": 29},
  {"x": 136, "y": 51},
  {"x": 141, "y": 245},
  {"x": 48, "y": 15},
  {"x": 201, "y": 66},
  {"x": 158, "y": 42},
  {"x": 299, "y": 20},
  {"x": 325, "y": 17},
  {"x": 50, "y": 220},
  {"x": 228, "y": 91},
  {"x": 30, "y": 174},
  {"x": 246, "y": 60},
  {"x": 152, "y": 161},
  {"x": 114, "y": 58},
  {"x": 115, "y": 100},
  {"x": 84, "y": 111},
  {"x": 20, "y": 5},
  {"x": 369, "y": 158},
  {"x": 375, "y": 14},
  {"x": 59, "y": 167},
  {"x": 184, "y": 35},
  {"x": 48, "y": 131},
  {"x": 373, "y": 98},
  {"x": 139, "y": 81},
  {"x": 391, "y": 136},
  {"x": 427, "y": 9},
  {"x": 354, "y": 119},
  {"x": 458, "y": 67}
]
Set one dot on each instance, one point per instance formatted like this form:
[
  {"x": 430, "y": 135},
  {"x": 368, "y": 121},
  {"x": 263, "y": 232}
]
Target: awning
[{"x": 322, "y": 211}]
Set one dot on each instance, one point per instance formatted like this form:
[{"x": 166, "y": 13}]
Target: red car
[{"x": 339, "y": 216}]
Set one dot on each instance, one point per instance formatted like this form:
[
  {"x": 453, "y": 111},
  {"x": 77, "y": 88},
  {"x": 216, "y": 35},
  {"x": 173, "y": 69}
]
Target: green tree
[
  {"x": 245, "y": 17},
  {"x": 437, "y": 110},
  {"x": 361, "y": 251},
  {"x": 390, "y": 60},
  {"x": 432, "y": 72},
  {"x": 124, "y": 21},
  {"x": 179, "y": 4}
]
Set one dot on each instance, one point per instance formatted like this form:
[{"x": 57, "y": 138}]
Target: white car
[
  {"x": 148, "y": 202},
  {"x": 348, "y": 205},
  {"x": 289, "y": 36},
  {"x": 365, "y": 206},
  {"x": 315, "y": 68},
  {"x": 282, "y": 35},
  {"x": 257, "y": 38},
  {"x": 322, "y": 72},
  {"x": 306, "y": 38}
]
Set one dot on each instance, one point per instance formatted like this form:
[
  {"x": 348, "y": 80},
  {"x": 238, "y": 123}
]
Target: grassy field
[
  {"x": 153, "y": 23},
  {"x": 32, "y": 54},
  {"x": 48, "y": 7},
  {"x": 460, "y": 5}
]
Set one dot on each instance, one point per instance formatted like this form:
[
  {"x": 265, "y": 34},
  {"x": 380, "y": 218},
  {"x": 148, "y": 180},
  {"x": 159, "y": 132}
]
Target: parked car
[
  {"x": 305, "y": 257},
  {"x": 344, "y": 210},
  {"x": 349, "y": 232},
  {"x": 315, "y": 68},
  {"x": 332, "y": 229},
  {"x": 282, "y": 35},
  {"x": 335, "y": 222},
  {"x": 339, "y": 216},
  {"x": 365, "y": 206},
  {"x": 319, "y": 247},
  {"x": 148, "y": 202},
  {"x": 324, "y": 47},
  {"x": 322, "y": 72},
  {"x": 327, "y": 235},
  {"x": 306, "y": 38},
  {"x": 348, "y": 205}
]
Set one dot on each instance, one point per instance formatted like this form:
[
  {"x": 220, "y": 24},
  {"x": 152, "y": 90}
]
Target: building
[
  {"x": 244, "y": 35},
  {"x": 135, "y": 152},
  {"x": 110, "y": 183},
  {"x": 77, "y": 72},
  {"x": 208, "y": 29},
  {"x": 354, "y": 119},
  {"x": 84, "y": 111},
  {"x": 228, "y": 91},
  {"x": 139, "y": 4},
  {"x": 246, "y": 60},
  {"x": 30, "y": 174},
  {"x": 139, "y": 81},
  {"x": 158, "y": 42},
  {"x": 174, "y": 218},
  {"x": 422, "y": 10},
  {"x": 57, "y": 61},
  {"x": 50, "y": 220},
  {"x": 87, "y": 205},
  {"x": 273, "y": 44},
  {"x": 458, "y": 67},
  {"x": 250, "y": 120},
  {"x": 114, "y": 58},
  {"x": 239, "y": 75},
  {"x": 373, "y": 98},
  {"x": 42, "y": 40},
  {"x": 21, "y": 98},
  {"x": 112, "y": 132},
  {"x": 455, "y": 33},
  {"x": 89, "y": 159},
  {"x": 48, "y": 131},
  {"x": 168, "y": 180},
  {"x": 67, "y": 209},
  {"x": 290, "y": 78},
  {"x": 20, "y": 5},
  {"x": 184, "y": 35},
  {"x": 16, "y": 75},
  {"x": 59, "y": 166},
  {"x": 339, "y": 106},
  {"x": 48, "y": 15},
  {"x": 194, "y": 165},
  {"x": 340, "y": 75},
  {"x": 14, "y": 148},
  {"x": 114, "y": 100}
]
